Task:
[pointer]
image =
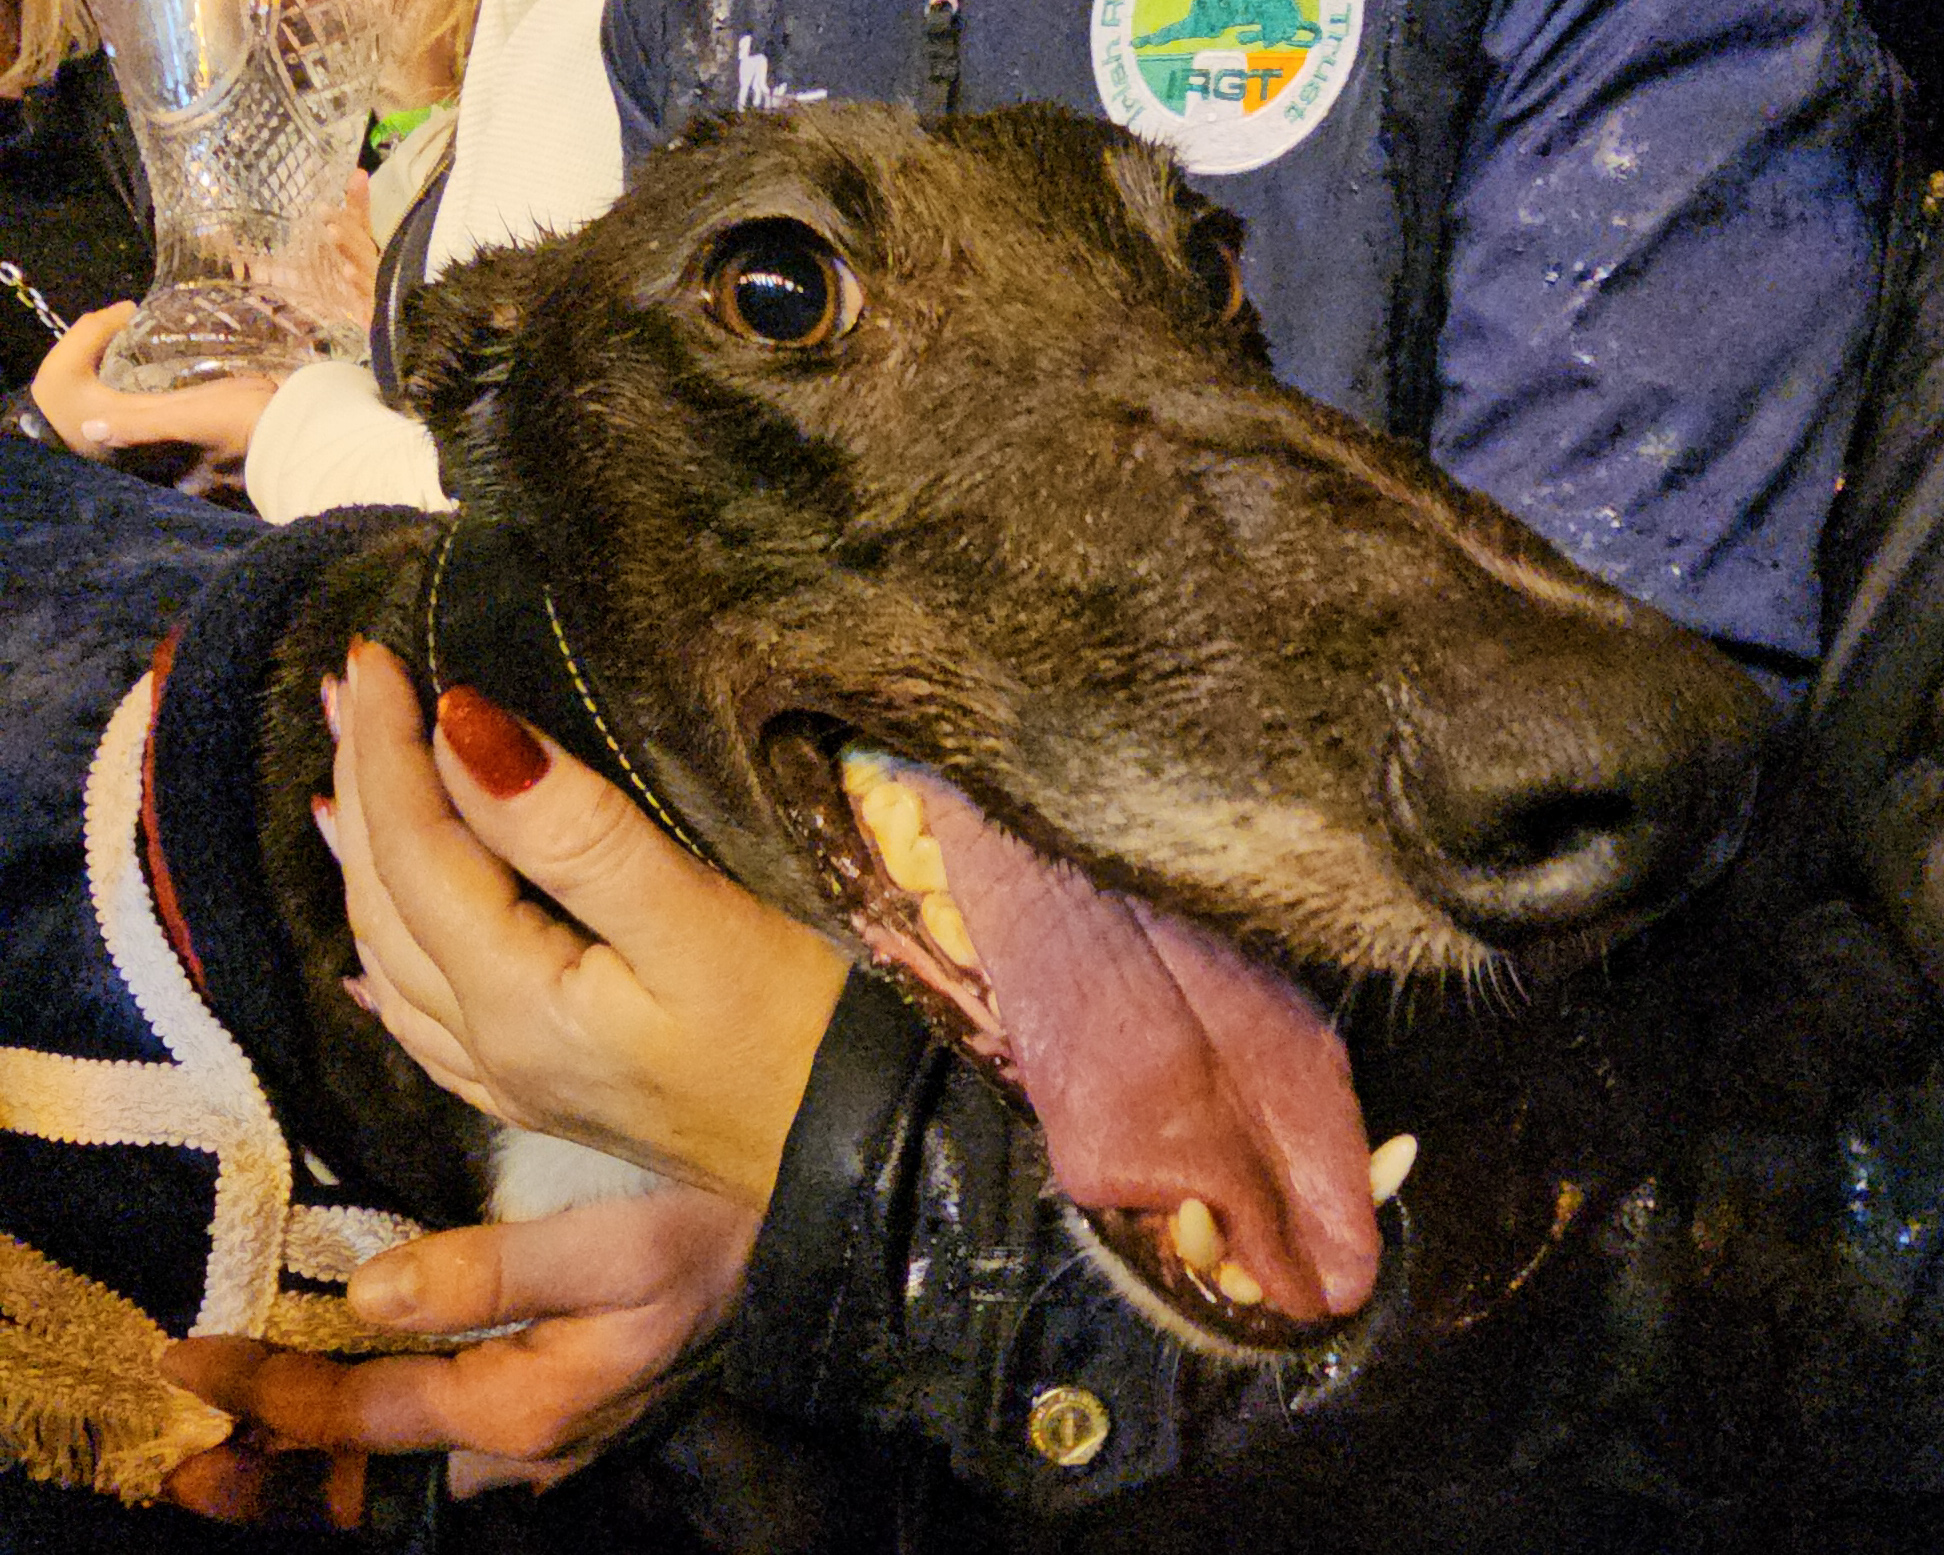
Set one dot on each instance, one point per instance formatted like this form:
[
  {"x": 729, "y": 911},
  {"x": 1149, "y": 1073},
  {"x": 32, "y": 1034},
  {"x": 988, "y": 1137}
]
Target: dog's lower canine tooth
[
  {"x": 1198, "y": 1240},
  {"x": 1390, "y": 1164},
  {"x": 1240, "y": 1286},
  {"x": 947, "y": 928}
]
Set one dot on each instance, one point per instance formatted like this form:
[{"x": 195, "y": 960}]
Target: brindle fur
[{"x": 1044, "y": 522}]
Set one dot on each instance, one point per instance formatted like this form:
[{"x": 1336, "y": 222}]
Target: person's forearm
[{"x": 328, "y": 440}]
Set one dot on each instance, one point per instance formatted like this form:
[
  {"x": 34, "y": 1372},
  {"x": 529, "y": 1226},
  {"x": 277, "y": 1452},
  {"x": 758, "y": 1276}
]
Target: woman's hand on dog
[
  {"x": 655, "y": 1042},
  {"x": 213, "y": 420},
  {"x": 613, "y": 1295},
  {"x": 677, "y": 1034}
]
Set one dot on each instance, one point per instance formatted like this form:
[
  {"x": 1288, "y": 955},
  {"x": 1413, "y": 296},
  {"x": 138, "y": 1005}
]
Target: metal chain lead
[{"x": 13, "y": 277}]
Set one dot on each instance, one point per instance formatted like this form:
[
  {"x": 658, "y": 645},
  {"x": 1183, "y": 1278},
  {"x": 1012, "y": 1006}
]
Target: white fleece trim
[
  {"x": 397, "y": 182},
  {"x": 536, "y": 1175}
]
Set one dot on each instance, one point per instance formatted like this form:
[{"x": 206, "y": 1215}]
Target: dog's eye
[
  {"x": 1215, "y": 256},
  {"x": 779, "y": 283}
]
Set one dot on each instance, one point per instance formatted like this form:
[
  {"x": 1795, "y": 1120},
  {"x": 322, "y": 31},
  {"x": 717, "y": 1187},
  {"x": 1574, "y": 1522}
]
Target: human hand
[
  {"x": 615, "y": 1292},
  {"x": 679, "y": 1036},
  {"x": 349, "y": 227},
  {"x": 215, "y": 420}
]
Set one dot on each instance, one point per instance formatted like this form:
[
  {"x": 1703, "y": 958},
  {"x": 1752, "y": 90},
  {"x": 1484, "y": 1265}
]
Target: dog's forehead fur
[{"x": 1039, "y": 520}]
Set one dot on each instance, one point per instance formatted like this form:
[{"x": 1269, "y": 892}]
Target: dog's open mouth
[{"x": 1198, "y": 1109}]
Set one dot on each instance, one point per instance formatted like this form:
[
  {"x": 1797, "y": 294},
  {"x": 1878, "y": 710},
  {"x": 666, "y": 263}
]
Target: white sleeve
[{"x": 327, "y": 439}]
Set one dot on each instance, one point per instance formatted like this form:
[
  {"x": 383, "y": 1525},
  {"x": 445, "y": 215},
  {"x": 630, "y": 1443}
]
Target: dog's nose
[{"x": 1537, "y": 814}]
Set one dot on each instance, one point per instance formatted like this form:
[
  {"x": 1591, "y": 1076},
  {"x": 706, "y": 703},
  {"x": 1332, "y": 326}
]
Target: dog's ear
[{"x": 457, "y": 339}]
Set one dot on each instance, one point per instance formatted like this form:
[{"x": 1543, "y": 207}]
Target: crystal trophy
[{"x": 249, "y": 115}]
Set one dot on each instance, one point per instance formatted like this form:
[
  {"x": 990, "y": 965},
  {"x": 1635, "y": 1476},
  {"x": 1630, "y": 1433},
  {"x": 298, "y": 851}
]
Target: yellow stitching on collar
[
  {"x": 432, "y": 611},
  {"x": 593, "y": 710}
]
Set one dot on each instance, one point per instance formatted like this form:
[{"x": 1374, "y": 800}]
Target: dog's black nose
[{"x": 1538, "y": 811}]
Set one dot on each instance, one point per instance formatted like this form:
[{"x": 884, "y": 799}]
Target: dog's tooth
[
  {"x": 1197, "y": 1239},
  {"x": 863, "y": 770},
  {"x": 894, "y": 815},
  {"x": 1390, "y": 1164},
  {"x": 946, "y": 925},
  {"x": 1240, "y": 1286},
  {"x": 919, "y": 868}
]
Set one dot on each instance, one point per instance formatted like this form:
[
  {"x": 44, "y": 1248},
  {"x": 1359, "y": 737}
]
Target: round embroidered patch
[{"x": 1227, "y": 85}]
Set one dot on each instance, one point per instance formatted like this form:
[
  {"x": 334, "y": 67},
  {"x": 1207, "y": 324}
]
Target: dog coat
[{"x": 150, "y": 1183}]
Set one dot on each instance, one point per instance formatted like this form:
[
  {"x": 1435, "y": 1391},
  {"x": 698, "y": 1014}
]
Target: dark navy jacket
[{"x": 1658, "y": 225}]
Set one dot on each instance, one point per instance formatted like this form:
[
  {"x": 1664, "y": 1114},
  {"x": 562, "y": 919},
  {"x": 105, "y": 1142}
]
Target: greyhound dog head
[{"x": 923, "y": 503}]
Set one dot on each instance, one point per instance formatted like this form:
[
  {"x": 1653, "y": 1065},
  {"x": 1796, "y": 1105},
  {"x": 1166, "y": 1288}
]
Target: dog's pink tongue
[{"x": 1163, "y": 1066}]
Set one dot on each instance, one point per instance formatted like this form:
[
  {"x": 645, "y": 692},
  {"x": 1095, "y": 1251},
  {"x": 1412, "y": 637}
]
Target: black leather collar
[{"x": 491, "y": 622}]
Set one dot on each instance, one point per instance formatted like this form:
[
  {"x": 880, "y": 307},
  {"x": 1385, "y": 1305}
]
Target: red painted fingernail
[
  {"x": 501, "y": 756},
  {"x": 360, "y": 994},
  {"x": 327, "y": 693},
  {"x": 351, "y": 661}
]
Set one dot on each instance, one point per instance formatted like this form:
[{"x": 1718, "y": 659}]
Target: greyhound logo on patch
[{"x": 1227, "y": 85}]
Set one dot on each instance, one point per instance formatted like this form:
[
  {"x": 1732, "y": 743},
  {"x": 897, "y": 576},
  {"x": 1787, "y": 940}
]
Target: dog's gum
[
  {"x": 1198, "y": 1241},
  {"x": 1390, "y": 1164},
  {"x": 1187, "y": 1252},
  {"x": 946, "y": 926}
]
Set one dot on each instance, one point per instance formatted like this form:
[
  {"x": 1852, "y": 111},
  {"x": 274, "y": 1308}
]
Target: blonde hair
[
  {"x": 432, "y": 68},
  {"x": 50, "y": 31}
]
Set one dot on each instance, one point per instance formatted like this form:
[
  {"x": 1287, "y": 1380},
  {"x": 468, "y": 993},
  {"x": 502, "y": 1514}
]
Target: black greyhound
[
  {"x": 910, "y": 518},
  {"x": 1142, "y": 626}
]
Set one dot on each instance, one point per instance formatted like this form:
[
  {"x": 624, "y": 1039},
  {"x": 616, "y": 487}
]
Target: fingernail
[
  {"x": 327, "y": 693},
  {"x": 386, "y": 1291},
  {"x": 351, "y": 662},
  {"x": 360, "y": 995},
  {"x": 95, "y": 431},
  {"x": 501, "y": 756},
  {"x": 324, "y": 817}
]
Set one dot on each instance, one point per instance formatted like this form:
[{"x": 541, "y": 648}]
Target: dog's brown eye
[
  {"x": 779, "y": 283},
  {"x": 1215, "y": 256}
]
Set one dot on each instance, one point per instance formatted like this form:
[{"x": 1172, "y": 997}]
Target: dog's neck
[
  {"x": 492, "y": 621},
  {"x": 235, "y": 753}
]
